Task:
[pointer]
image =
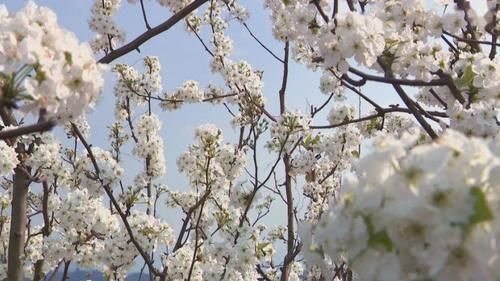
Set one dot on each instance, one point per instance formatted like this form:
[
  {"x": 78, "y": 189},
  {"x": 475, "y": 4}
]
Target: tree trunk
[
  {"x": 287, "y": 263},
  {"x": 17, "y": 236}
]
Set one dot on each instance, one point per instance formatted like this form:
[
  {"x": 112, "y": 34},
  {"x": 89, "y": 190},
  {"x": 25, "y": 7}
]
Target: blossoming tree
[{"x": 424, "y": 204}]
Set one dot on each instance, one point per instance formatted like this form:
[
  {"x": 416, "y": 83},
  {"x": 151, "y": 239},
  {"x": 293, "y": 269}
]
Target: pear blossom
[
  {"x": 65, "y": 80},
  {"x": 8, "y": 160},
  {"x": 411, "y": 216}
]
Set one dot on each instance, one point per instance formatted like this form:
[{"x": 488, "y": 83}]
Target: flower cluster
[
  {"x": 478, "y": 120},
  {"x": 246, "y": 83},
  {"x": 391, "y": 123},
  {"x": 150, "y": 144},
  {"x": 341, "y": 112},
  {"x": 127, "y": 84},
  {"x": 214, "y": 93},
  {"x": 76, "y": 211},
  {"x": 179, "y": 264},
  {"x": 473, "y": 105},
  {"x": 430, "y": 59},
  {"x": 358, "y": 36},
  {"x": 220, "y": 207},
  {"x": 8, "y": 159},
  {"x": 46, "y": 160},
  {"x": 290, "y": 17},
  {"x": 99, "y": 238},
  {"x": 87, "y": 177},
  {"x": 174, "y": 5},
  {"x": 330, "y": 84},
  {"x": 250, "y": 249},
  {"x": 210, "y": 159},
  {"x": 232, "y": 160},
  {"x": 412, "y": 17},
  {"x": 149, "y": 231},
  {"x": 150, "y": 81},
  {"x": 135, "y": 87},
  {"x": 243, "y": 79},
  {"x": 321, "y": 161},
  {"x": 102, "y": 23},
  {"x": 414, "y": 212},
  {"x": 189, "y": 92},
  {"x": 238, "y": 11},
  {"x": 480, "y": 77},
  {"x": 288, "y": 131},
  {"x": 304, "y": 162},
  {"x": 81, "y": 123},
  {"x": 223, "y": 45},
  {"x": 61, "y": 76}
]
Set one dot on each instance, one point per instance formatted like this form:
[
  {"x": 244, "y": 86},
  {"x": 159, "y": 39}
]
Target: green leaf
[
  {"x": 316, "y": 139},
  {"x": 263, "y": 249},
  {"x": 369, "y": 224},
  {"x": 68, "y": 58},
  {"x": 379, "y": 238},
  {"x": 482, "y": 211},
  {"x": 22, "y": 96},
  {"x": 40, "y": 75},
  {"x": 382, "y": 238},
  {"x": 307, "y": 140},
  {"x": 355, "y": 153},
  {"x": 466, "y": 79}
]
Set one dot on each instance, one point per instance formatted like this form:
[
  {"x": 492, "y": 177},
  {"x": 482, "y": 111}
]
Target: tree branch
[
  {"x": 396, "y": 81},
  {"x": 141, "y": 39},
  {"x": 24, "y": 130},
  {"x": 380, "y": 114},
  {"x": 122, "y": 215}
]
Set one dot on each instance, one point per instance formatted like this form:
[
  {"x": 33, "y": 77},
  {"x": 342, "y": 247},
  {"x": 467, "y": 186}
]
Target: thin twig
[
  {"x": 262, "y": 44},
  {"x": 470, "y": 41},
  {"x": 144, "y": 15}
]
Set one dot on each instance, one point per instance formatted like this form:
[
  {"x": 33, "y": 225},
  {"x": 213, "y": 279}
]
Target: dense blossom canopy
[{"x": 421, "y": 203}]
